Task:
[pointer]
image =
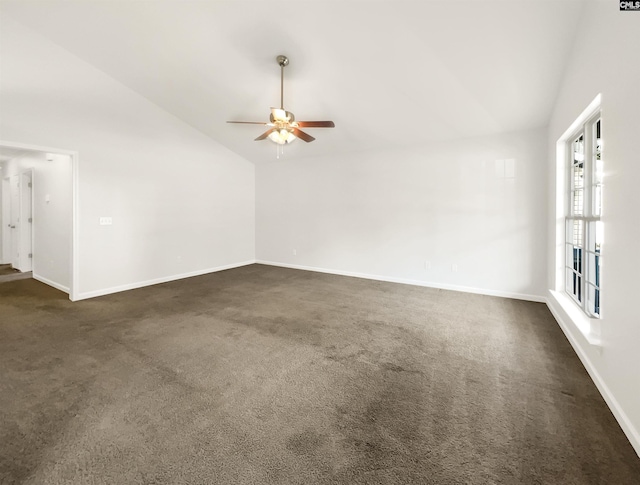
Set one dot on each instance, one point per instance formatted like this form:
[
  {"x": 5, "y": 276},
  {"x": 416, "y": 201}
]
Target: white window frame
[
  {"x": 583, "y": 226},
  {"x": 563, "y": 307}
]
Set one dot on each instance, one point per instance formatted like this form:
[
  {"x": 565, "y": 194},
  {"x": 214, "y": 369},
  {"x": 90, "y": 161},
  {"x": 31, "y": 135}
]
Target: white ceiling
[{"x": 389, "y": 73}]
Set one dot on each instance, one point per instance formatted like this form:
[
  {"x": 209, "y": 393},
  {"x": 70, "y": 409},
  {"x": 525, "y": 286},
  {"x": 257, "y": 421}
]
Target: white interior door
[
  {"x": 20, "y": 221},
  {"x": 14, "y": 220},
  {"x": 6, "y": 223},
  {"x": 26, "y": 222}
]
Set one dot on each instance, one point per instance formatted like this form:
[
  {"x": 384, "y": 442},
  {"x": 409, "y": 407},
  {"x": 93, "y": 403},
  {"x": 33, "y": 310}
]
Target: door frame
[{"x": 74, "y": 270}]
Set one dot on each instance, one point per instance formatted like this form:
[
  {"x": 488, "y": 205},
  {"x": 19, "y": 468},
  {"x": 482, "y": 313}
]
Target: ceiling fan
[{"x": 283, "y": 127}]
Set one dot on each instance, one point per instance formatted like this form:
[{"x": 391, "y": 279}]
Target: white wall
[
  {"x": 605, "y": 60},
  {"x": 51, "y": 218},
  {"x": 180, "y": 202},
  {"x": 385, "y": 214}
]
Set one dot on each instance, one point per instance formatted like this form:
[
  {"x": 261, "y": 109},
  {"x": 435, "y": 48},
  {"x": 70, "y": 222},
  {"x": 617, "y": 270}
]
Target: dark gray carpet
[
  {"x": 7, "y": 273},
  {"x": 6, "y": 269},
  {"x": 269, "y": 375}
]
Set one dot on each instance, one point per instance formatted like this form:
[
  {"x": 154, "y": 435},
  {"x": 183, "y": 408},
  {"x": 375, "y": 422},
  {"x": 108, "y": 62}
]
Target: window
[{"x": 583, "y": 225}]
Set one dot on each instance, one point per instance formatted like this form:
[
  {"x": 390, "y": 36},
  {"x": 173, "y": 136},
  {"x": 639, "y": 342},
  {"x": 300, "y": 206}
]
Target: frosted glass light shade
[{"x": 282, "y": 136}]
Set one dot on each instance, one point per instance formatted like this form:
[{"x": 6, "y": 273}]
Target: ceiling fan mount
[{"x": 283, "y": 128}]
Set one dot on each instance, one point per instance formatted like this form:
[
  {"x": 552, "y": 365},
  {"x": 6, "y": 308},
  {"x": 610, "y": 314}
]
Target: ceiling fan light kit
[{"x": 283, "y": 127}]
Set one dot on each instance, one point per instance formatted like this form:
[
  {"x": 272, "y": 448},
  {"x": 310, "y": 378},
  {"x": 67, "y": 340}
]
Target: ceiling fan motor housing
[{"x": 288, "y": 115}]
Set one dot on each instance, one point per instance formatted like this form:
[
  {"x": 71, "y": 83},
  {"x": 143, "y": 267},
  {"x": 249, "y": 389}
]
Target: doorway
[{"x": 38, "y": 214}]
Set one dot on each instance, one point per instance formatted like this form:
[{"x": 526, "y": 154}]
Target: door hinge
[
  {"x": 29, "y": 185},
  {"x": 31, "y": 255},
  {"x": 30, "y": 219}
]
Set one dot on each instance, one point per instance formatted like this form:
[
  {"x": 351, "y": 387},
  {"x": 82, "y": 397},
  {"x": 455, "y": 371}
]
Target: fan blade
[
  {"x": 250, "y": 122},
  {"x": 265, "y": 134},
  {"x": 302, "y": 135},
  {"x": 316, "y": 124}
]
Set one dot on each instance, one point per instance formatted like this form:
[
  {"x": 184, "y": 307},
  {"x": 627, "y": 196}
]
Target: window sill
[{"x": 588, "y": 327}]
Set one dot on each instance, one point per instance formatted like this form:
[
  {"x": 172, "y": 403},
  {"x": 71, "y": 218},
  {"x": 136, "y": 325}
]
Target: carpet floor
[
  {"x": 7, "y": 273},
  {"x": 6, "y": 269},
  {"x": 264, "y": 375}
]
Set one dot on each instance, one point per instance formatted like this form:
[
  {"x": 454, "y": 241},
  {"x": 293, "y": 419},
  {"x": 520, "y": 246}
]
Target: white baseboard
[
  {"x": 47, "y": 281},
  {"x": 633, "y": 435},
  {"x": 390, "y": 279},
  {"x": 131, "y": 286}
]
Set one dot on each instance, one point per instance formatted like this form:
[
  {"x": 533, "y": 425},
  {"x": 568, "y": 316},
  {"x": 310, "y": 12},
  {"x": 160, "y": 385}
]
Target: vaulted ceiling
[{"x": 389, "y": 73}]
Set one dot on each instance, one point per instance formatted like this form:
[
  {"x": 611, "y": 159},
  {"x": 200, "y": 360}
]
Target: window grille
[{"x": 584, "y": 228}]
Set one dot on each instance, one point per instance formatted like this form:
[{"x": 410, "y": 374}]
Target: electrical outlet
[
  {"x": 427, "y": 265},
  {"x": 454, "y": 268},
  {"x": 295, "y": 252}
]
